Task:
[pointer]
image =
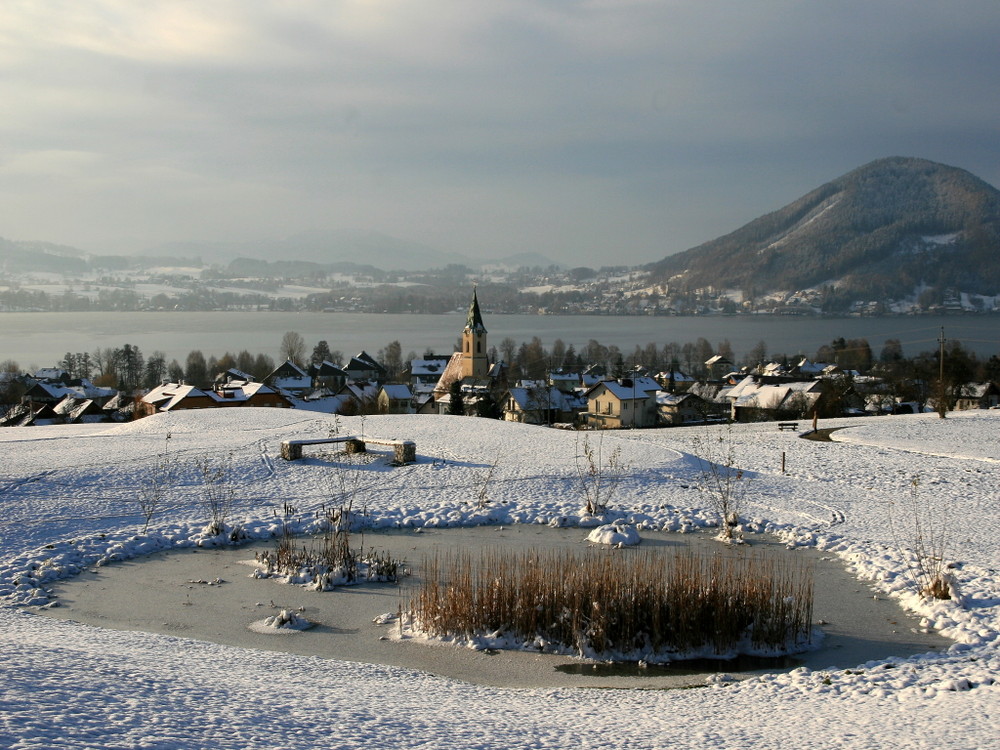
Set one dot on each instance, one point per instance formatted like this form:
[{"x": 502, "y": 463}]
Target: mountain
[{"x": 884, "y": 230}]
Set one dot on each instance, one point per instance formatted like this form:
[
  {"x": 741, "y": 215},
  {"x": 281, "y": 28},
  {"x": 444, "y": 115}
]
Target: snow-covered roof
[
  {"x": 628, "y": 390},
  {"x": 397, "y": 392},
  {"x": 428, "y": 367}
]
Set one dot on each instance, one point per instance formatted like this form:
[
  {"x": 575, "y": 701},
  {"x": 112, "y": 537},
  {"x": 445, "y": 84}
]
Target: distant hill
[
  {"x": 325, "y": 248},
  {"x": 335, "y": 248},
  {"x": 886, "y": 229},
  {"x": 28, "y": 257}
]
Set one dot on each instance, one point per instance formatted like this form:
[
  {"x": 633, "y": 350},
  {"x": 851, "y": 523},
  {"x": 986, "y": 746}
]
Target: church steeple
[
  {"x": 474, "y": 321},
  {"x": 474, "y": 361}
]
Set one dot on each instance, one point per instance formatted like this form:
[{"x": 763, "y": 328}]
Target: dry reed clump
[
  {"x": 641, "y": 606},
  {"x": 333, "y": 561}
]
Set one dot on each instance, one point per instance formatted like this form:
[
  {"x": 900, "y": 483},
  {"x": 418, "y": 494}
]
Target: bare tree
[{"x": 293, "y": 347}]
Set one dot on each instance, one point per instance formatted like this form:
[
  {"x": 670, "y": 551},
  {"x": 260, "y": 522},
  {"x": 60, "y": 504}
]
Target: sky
[{"x": 594, "y": 132}]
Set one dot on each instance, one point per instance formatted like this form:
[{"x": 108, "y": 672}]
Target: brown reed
[{"x": 632, "y": 606}]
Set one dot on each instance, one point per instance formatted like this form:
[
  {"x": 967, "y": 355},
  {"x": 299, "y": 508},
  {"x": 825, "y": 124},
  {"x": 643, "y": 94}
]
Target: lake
[{"x": 42, "y": 339}]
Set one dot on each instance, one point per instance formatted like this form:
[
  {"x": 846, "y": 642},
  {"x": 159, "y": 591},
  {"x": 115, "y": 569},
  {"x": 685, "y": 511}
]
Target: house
[
  {"x": 52, "y": 375},
  {"x": 684, "y": 408},
  {"x": 759, "y": 398},
  {"x": 612, "y": 404},
  {"x": 290, "y": 379},
  {"x": 177, "y": 396},
  {"x": 363, "y": 367},
  {"x": 539, "y": 403},
  {"x": 977, "y": 396},
  {"x": 673, "y": 380},
  {"x": 51, "y": 392},
  {"x": 233, "y": 373},
  {"x": 532, "y": 402},
  {"x": 593, "y": 375},
  {"x": 718, "y": 366},
  {"x": 566, "y": 382},
  {"x": 120, "y": 409},
  {"x": 28, "y": 414},
  {"x": 356, "y": 398},
  {"x": 427, "y": 370},
  {"x": 395, "y": 399},
  {"x": 82, "y": 411},
  {"x": 327, "y": 375}
]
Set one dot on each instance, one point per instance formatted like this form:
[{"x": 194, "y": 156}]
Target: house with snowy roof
[
  {"x": 28, "y": 414},
  {"x": 629, "y": 402},
  {"x": 52, "y": 375},
  {"x": 395, "y": 399},
  {"x": 290, "y": 379},
  {"x": 674, "y": 380},
  {"x": 717, "y": 366},
  {"x": 427, "y": 370},
  {"x": 327, "y": 375},
  {"x": 537, "y": 402},
  {"x": 686, "y": 408},
  {"x": 169, "y": 397},
  {"x": 356, "y": 398},
  {"x": 75, "y": 410},
  {"x": 760, "y": 397},
  {"x": 51, "y": 392},
  {"x": 363, "y": 367},
  {"x": 566, "y": 382},
  {"x": 977, "y": 396}
]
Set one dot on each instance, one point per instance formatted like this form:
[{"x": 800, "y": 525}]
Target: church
[{"x": 469, "y": 375}]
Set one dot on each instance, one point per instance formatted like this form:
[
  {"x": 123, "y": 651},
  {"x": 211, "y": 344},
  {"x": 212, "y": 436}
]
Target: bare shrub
[
  {"x": 724, "y": 483},
  {"x": 922, "y": 526},
  {"x": 598, "y": 479},
  {"x": 155, "y": 485},
  {"x": 484, "y": 481},
  {"x": 218, "y": 495},
  {"x": 632, "y": 607}
]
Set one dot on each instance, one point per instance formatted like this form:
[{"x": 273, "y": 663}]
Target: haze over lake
[{"x": 42, "y": 339}]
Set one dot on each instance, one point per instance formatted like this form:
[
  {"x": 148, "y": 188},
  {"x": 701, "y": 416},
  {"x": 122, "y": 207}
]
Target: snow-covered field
[{"x": 69, "y": 500}]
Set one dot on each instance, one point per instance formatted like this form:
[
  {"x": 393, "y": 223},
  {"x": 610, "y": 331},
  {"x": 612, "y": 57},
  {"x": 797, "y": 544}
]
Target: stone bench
[{"x": 404, "y": 451}]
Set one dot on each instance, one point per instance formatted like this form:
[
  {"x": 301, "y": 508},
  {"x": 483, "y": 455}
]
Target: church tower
[{"x": 474, "y": 361}]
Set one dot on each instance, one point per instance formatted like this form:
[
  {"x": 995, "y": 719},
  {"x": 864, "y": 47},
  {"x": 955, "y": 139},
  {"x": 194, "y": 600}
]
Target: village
[{"x": 473, "y": 381}]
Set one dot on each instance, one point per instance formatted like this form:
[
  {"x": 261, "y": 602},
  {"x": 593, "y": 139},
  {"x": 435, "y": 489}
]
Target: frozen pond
[{"x": 169, "y": 593}]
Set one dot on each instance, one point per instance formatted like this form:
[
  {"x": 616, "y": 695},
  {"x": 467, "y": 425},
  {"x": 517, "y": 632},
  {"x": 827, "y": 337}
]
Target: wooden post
[{"x": 782, "y": 462}]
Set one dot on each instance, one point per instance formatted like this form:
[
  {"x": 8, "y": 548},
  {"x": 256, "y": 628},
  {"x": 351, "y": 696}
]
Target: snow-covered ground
[{"x": 69, "y": 497}]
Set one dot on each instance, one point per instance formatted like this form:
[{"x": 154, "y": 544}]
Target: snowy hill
[{"x": 69, "y": 496}]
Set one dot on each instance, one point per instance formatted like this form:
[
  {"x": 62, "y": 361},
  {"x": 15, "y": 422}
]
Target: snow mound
[
  {"x": 286, "y": 620},
  {"x": 615, "y": 534}
]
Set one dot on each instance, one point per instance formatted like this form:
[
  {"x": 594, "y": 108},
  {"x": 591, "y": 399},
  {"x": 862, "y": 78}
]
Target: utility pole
[
  {"x": 941, "y": 355},
  {"x": 942, "y": 405}
]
